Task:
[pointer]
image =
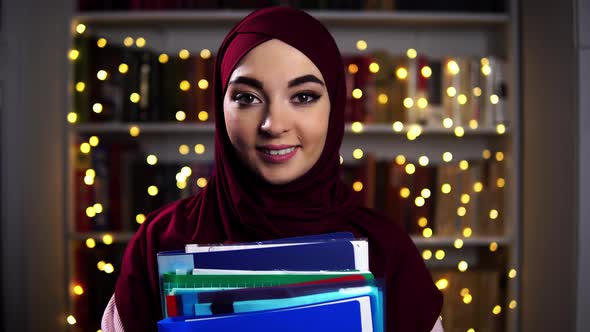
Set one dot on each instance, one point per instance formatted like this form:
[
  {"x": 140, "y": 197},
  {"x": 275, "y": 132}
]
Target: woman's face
[{"x": 276, "y": 110}]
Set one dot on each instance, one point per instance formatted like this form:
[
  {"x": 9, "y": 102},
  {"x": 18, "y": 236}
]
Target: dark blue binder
[{"x": 350, "y": 315}]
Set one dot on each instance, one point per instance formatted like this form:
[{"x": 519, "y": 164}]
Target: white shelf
[{"x": 350, "y": 17}]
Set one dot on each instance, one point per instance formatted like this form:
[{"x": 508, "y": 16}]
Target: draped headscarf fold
[{"x": 237, "y": 205}]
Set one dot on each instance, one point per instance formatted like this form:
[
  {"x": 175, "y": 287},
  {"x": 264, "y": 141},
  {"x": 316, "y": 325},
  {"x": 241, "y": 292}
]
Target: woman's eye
[
  {"x": 306, "y": 98},
  {"x": 246, "y": 98}
]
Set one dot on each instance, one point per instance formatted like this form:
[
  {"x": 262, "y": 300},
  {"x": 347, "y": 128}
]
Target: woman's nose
[{"x": 276, "y": 121}]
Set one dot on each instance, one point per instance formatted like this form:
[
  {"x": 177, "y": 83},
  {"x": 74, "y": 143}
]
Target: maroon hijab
[{"x": 237, "y": 205}]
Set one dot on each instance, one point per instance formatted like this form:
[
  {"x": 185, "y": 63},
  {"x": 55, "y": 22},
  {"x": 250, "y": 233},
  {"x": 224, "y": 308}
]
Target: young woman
[{"x": 279, "y": 103}]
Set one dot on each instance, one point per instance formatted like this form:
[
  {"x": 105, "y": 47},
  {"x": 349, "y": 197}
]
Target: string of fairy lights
[{"x": 412, "y": 132}]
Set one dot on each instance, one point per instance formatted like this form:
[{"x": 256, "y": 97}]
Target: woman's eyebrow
[
  {"x": 305, "y": 79},
  {"x": 248, "y": 81}
]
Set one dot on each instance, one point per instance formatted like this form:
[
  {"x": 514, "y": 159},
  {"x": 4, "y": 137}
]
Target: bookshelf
[{"x": 436, "y": 34}]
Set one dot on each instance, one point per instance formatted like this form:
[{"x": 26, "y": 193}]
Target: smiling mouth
[
  {"x": 281, "y": 152},
  {"x": 278, "y": 154}
]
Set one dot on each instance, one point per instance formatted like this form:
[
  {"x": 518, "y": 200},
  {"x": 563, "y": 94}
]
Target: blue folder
[{"x": 349, "y": 315}]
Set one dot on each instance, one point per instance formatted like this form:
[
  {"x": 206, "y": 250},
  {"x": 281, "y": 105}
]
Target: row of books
[
  {"x": 122, "y": 84},
  {"x": 444, "y": 198},
  {"x": 428, "y": 5}
]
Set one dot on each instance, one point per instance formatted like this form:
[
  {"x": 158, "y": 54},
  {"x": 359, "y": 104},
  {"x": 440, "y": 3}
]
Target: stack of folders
[{"x": 310, "y": 283}]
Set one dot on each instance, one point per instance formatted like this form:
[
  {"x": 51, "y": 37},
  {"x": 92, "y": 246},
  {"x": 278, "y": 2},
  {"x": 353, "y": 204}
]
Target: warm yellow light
[
  {"x": 357, "y": 186},
  {"x": 205, "y": 54},
  {"x": 341, "y": 160},
  {"x": 184, "y": 54},
  {"x": 89, "y": 180},
  {"x": 357, "y": 153},
  {"x": 123, "y": 68},
  {"x": 442, "y": 284},
  {"x": 199, "y": 148},
  {"x": 181, "y": 184},
  {"x": 426, "y": 71},
  {"x": 447, "y": 156},
  {"x": 445, "y": 188},
  {"x": 422, "y": 222},
  {"x": 486, "y": 154},
  {"x": 494, "y": 99},
  {"x": 419, "y": 201},
  {"x": 97, "y": 108},
  {"x": 72, "y": 117},
  {"x": 461, "y": 211},
  {"x": 107, "y": 239},
  {"x": 357, "y": 93},
  {"x": 465, "y": 198},
  {"x": 499, "y": 156},
  {"x": 90, "y": 172},
  {"x": 401, "y": 73},
  {"x": 486, "y": 70},
  {"x": 397, "y": 126},
  {"x": 464, "y": 165},
  {"x": 425, "y": 193},
  {"x": 152, "y": 190},
  {"x": 374, "y": 67},
  {"x": 440, "y": 255},
  {"x": 500, "y": 128},
  {"x": 484, "y": 61},
  {"x": 93, "y": 141},
  {"x": 361, "y": 45},
  {"x": 100, "y": 265},
  {"x": 134, "y": 131},
  {"x": 512, "y": 304},
  {"x": 180, "y": 116},
  {"x": 494, "y": 214},
  {"x": 71, "y": 320},
  {"x": 427, "y": 232},
  {"x": 203, "y": 84},
  {"x": 357, "y": 127},
  {"x": 201, "y": 182},
  {"x": 453, "y": 67},
  {"x": 80, "y": 28},
  {"x": 135, "y": 97},
  {"x": 467, "y": 298},
  {"x": 97, "y": 208},
  {"x": 382, "y": 99},
  {"x": 163, "y": 58},
  {"x": 427, "y": 254},
  {"x": 203, "y": 116},
  {"x": 78, "y": 290},
  {"x": 458, "y": 243},
  {"x": 473, "y": 124},
  {"x": 447, "y": 123},
  {"x": 512, "y": 274},
  {"x": 108, "y": 268},
  {"x": 101, "y": 42},
  {"x": 462, "y": 99},
  {"x": 90, "y": 243},
  {"x": 73, "y": 55},
  {"x": 422, "y": 102},
  {"x": 152, "y": 159},
  {"x": 85, "y": 147},
  {"x": 467, "y": 232},
  {"x": 80, "y": 86},
  {"x": 463, "y": 266},
  {"x": 128, "y": 41},
  {"x": 408, "y": 102},
  {"x": 186, "y": 171},
  {"x": 102, "y": 75},
  {"x": 140, "y": 218},
  {"x": 459, "y": 131},
  {"x": 477, "y": 187},
  {"x": 500, "y": 182},
  {"x": 411, "y": 53},
  {"x": 353, "y": 68},
  {"x": 497, "y": 310},
  {"x": 423, "y": 161},
  {"x": 451, "y": 91},
  {"x": 140, "y": 42},
  {"x": 184, "y": 85},
  {"x": 410, "y": 168},
  {"x": 183, "y": 149},
  {"x": 477, "y": 91},
  {"x": 404, "y": 192},
  {"x": 414, "y": 131},
  {"x": 493, "y": 246}
]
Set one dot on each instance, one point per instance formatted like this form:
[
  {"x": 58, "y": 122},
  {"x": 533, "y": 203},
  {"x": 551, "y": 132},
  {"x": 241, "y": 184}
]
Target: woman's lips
[{"x": 277, "y": 153}]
